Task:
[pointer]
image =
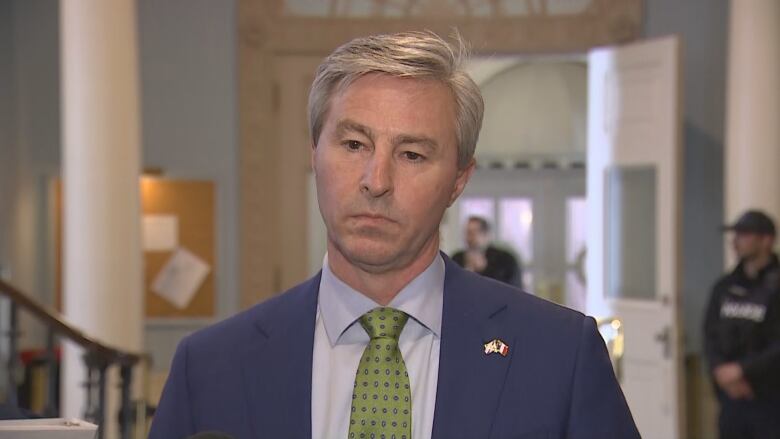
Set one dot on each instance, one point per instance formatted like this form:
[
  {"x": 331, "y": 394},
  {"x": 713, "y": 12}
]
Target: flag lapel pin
[{"x": 496, "y": 346}]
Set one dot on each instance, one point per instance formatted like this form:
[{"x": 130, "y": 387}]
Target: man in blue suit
[{"x": 392, "y": 339}]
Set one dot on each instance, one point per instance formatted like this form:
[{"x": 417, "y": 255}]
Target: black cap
[{"x": 753, "y": 221}]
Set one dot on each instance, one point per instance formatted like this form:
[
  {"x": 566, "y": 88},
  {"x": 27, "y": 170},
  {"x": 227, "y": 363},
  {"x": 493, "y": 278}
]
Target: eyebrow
[
  {"x": 350, "y": 125},
  {"x": 346, "y": 125},
  {"x": 424, "y": 141}
]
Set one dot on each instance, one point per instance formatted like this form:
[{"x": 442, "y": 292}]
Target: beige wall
[{"x": 535, "y": 109}]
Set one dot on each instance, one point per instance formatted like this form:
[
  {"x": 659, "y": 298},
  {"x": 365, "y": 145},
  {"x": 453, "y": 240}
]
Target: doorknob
[{"x": 665, "y": 337}]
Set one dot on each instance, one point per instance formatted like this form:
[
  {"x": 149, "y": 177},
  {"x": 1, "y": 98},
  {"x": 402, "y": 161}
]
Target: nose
[{"x": 377, "y": 178}]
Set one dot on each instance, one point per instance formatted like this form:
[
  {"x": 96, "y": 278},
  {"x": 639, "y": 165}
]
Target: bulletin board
[{"x": 192, "y": 204}]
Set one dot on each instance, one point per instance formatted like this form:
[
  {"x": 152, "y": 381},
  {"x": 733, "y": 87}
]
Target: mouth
[{"x": 372, "y": 218}]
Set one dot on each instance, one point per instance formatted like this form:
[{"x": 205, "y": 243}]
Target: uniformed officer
[{"x": 742, "y": 334}]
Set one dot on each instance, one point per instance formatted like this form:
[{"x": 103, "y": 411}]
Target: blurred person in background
[
  {"x": 480, "y": 256},
  {"x": 742, "y": 334}
]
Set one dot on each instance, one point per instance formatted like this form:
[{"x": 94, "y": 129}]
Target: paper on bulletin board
[
  {"x": 161, "y": 233},
  {"x": 181, "y": 277}
]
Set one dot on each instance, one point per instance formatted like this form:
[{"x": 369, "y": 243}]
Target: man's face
[
  {"x": 476, "y": 238},
  {"x": 750, "y": 245},
  {"x": 386, "y": 169}
]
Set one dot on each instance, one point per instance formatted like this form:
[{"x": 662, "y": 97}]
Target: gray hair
[{"x": 409, "y": 55}]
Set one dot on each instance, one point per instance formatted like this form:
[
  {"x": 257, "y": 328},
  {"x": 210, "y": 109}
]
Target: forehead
[{"x": 396, "y": 102}]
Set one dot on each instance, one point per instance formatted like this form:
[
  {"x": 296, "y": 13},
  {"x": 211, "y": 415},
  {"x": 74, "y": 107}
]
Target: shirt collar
[{"x": 422, "y": 299}]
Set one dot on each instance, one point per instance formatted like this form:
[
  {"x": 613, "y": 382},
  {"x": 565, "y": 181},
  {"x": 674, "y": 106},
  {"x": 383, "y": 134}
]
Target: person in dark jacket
[
  {"x": 483, "y": 258},
  {"x": 742, "y": 334}
]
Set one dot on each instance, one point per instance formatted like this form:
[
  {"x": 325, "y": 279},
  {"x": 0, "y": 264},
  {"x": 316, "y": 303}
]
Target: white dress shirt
[{"x": 339, "y": 342}]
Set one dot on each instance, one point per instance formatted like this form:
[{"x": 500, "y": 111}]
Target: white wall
[
  {"x": 7, "y": 176},
  {"x": 29, "y": 123},
  {"x": 7, "y": 149},
  {"x": 190, "y": 127},
  {"x": 535, "y": 109}
]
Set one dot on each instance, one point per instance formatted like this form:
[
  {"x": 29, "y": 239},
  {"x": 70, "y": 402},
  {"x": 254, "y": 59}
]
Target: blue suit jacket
[{"x": 250, "y": 376}]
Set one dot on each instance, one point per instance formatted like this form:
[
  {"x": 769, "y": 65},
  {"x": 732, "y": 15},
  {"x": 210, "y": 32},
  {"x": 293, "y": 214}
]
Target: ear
[{"x": 461, "y": 179}]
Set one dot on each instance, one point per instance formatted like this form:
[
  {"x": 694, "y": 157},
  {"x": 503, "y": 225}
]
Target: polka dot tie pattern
[{"x": 382, "y": 399}]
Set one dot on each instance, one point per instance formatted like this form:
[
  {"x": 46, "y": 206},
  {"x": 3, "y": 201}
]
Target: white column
[
  {"x": 752, "y": 152},
  {"x": 103, "y": 278}
]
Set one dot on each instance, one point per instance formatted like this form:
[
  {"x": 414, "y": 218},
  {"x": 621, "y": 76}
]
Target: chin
[{"x": 371, "y": 255}]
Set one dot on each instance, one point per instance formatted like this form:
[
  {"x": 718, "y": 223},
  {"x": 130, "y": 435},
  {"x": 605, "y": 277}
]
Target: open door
[{"x": 633, "y": 201}]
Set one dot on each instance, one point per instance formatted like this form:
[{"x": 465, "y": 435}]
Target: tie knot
[{"x": 384, "y": 323}]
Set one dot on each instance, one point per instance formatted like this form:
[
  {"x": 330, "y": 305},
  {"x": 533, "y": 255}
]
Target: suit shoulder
[
  {"x": 542, "y": 327},
  {"x": 521, "y": 305},
  {"x": 247, "y": 325},
  {"x": 542, "y": 311}
]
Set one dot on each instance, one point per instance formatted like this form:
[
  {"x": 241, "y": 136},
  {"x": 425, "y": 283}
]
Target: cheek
[
  {"x": 444, "y": 190},
  {"x": 337, "y": 192},
  {"x": 327, "y": 190},
  {"x": 330, "y": 176},
  {"x": 428, "y": 199}
]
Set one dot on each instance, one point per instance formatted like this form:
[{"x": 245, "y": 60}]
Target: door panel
[{"x": 633, "y": 203}]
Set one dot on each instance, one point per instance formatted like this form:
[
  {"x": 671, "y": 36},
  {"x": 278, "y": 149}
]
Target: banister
[
  {"x": 56, "y": 322},
  {"x": 97, "y": 358}
]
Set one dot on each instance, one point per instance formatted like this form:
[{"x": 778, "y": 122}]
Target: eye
[
  {"x": 413, "y": 156},
  {"x": 353, "y": 145}
]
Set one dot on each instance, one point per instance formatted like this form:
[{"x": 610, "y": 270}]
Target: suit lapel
[
  {"x": 470, "y": 381},
  {"x": 277, "y": 370}
]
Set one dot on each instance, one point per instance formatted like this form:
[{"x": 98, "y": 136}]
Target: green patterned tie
[{"x": 382, "y": 400}]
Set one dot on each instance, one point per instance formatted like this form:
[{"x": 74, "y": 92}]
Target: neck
[
  {"x": 754, "y": 265},
  {"x": 381, "y": 286}
]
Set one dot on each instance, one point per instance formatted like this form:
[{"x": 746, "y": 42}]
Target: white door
[{"x": 634, "y": 206}]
